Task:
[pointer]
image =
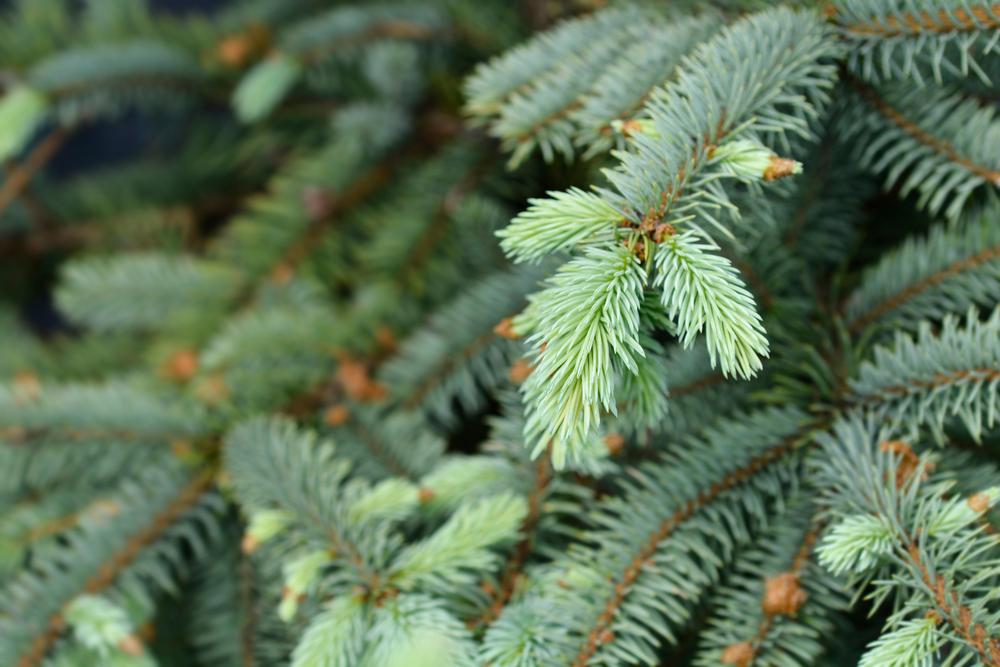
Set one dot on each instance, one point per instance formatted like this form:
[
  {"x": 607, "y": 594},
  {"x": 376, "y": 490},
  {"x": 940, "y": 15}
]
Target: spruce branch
[
  {"x": 950, "y": 563},
  {"x": 926, "y": 39},
  {"x": 930, "y": 277},
  {"x": 20, "y": 177},
  {"x": 936, "y": 142},
  {"x": 588, "y": 316},
  {"x": 924, "y": 381},
  {"x": 96, "y": 572}
]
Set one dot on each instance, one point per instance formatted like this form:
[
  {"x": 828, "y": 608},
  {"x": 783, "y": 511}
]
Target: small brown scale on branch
[
  {"x": 181, "y": 366},
  {"x": 738, "y": 655},
  {"x": 908, "y": 462},
  {"x": 244, "y": 47},
  {"x": 958, "y": 615},
  {"x": 979, "y": 502},
  {"x": 353, "y": 376},
  {"x": 336, "y": 415},
  {"x": 780, "y": 167},
  {"x": 783, "y": 596},
  {"x": 520, "y": 371},
  {"x": 505, "y": 329},
  {"x": 644, "y": 557}
]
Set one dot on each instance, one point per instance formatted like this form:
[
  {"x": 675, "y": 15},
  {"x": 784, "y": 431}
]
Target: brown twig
[
  {"x": 600, "y": 631},
  {"x": 20, "y": 176},
  {"x": 921, "y": 286},
  {"x": 519, "y": 556},
  {"x": 982, "y": 17},
  {"x": 939, "y": 146}
]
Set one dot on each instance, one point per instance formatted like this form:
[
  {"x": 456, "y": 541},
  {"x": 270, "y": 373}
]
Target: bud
[
  {"x": 213, "y": 389},
  {"x": 748, "y": 161},
  {"x": 633, "y": 126},
  {"x": 982, "y": 501},
  {"x": 386, "y": 339},
  {"x": 300, "y": 575},
  {"x": 263, "y": 526},
  {"x": 282, "y": 274},
  {"x": 520, "y": 371},
  {"x": 353, "y": 377},
  {"x": 131, "y": 645},
  {"x": 783, "y": 595},
  {"x": 908, "y": 462},
  {"x": 238, "y": 50},
  {"x": 739, "y": 655},
  {"x": 615, "y": 442},
  {"x": 26, "y": 387},
  {"x": 505, "y": 329},
  {"x": 181, "y": 366},
  {"x": 336, "y": 415}
]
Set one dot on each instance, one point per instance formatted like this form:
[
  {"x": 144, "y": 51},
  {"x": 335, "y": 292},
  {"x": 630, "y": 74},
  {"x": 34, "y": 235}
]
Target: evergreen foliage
[{"x": 446, "y": 333}]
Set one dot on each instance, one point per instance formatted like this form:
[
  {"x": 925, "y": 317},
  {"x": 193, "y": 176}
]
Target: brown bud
[
  {"x": 979, "y": 502},
  {"x": 27, "y": 387},
  {"x": 425, "y": 495},
  {"x": 249, "y": 544},
  {"x": 639, "y": 250},
  {"x": 663, "y": 231},
  {"x": 237, "y": 50},
  {"x": 181, "y": 366},
  {"x": 336, "y": 415},
  {"x": 353, "y": 377},
  {"x": 520, "y": 371},
  {"x": 282, "y": 274},
  {"x": 213, "y": 389},
  {"x": 104, "y": 509},
  {"x": 131, "y": 645},
  {"x": 615, "y": 442},
  {"x": 783, "y": 595},
  {"x": 779, "y": 167},
  {"x": 375, "y": 392},
  {"x": 933, "y": 617},
  {"x": 908, "y": 462},
  {"x": 739, "y": 655},
  {"x": 386, "y": 339},
  {"x": 505, "y": 329},
  {"x": 631, "y": 127}
]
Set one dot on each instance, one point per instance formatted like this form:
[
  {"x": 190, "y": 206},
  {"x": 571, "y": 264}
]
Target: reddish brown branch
[
  {"x": 984, "y": 375},
  {"x": 939, "y": 146},
  {"x": 983, "y": 17},
  {"x": 519, "y": 557},
  {"x": 918, "y": 288},
  {"x": 360, "y": 191},
  {"x": 695, "y": 386},
  {"x": 17, "y": 180},
  {"x": 947, "y": 601},
  {"x": 599, "y": 634}
]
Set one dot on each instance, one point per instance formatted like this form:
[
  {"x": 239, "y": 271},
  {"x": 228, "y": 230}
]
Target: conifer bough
[{"x": 325, "y": 398}]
